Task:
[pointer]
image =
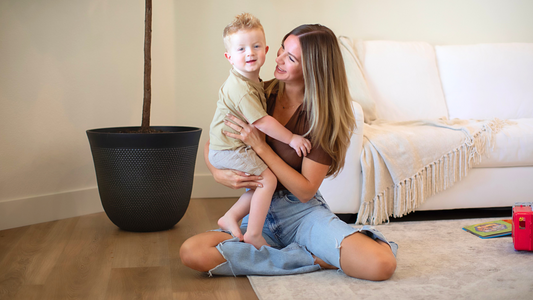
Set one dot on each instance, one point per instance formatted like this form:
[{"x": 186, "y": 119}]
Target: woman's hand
[
  {"x": 236, "y": 179},
  {"x": 248, "y": 134},
  {"x": 231, "y": 178}
]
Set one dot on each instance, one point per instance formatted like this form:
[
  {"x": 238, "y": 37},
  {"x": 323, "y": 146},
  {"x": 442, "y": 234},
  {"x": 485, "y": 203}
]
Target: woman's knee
[
  {"x": 383, "y": 266},
  {"x": 200, "y": 253},
  {"x": 378, "y": 268},
  {"x": 365, "y": 258},
  {"x": 189, "y": 254}
]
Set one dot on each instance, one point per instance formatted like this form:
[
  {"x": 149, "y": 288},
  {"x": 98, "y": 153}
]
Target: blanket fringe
[{"x": 407, "y": 195}]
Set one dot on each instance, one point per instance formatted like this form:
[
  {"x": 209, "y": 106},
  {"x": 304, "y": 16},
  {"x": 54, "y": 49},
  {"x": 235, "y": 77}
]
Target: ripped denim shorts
[{"x": 295, "y": 230}]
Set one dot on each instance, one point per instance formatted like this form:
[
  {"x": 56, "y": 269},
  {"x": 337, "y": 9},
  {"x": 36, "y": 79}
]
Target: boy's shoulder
[
  {"x": 236, "y": 78},
  {"x": 235, "y": 85},
  {"x": 272, "y": 82}
]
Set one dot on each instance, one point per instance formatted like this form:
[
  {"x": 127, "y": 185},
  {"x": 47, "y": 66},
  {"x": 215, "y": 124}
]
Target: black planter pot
[{"x": 145, "y": 179}]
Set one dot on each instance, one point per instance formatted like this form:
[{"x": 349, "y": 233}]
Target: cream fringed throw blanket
[{"x": 406, "y": 162}]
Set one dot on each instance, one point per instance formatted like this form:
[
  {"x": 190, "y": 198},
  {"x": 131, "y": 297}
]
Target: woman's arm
[
  {"x": 231, "y": 178},
  {"x": 274, "y": 129},
  {"x": 303, "y": 185}
]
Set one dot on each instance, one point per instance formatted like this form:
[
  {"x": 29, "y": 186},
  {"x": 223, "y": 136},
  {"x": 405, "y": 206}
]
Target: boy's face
[{"x": 247, "y": 52}]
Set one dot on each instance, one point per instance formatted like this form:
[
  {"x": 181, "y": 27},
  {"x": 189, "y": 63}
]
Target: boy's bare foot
[
  {"x": 231, "y": 225},
  {"x": 257, "y": 240}
]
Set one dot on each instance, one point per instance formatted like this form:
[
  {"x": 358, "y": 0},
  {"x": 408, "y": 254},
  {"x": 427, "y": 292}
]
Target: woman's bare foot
[
  {"x": 231, "y": 225},
  {"x": 257, "y": 240},
  {"x": 323, "y": 264}
]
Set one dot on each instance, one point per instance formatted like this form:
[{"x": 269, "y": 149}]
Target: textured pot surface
[{"x": 145, "y": 179}]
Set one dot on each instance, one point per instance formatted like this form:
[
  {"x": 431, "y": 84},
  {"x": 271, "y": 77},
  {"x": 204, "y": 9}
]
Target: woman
[{"x": 309, "y": 95}]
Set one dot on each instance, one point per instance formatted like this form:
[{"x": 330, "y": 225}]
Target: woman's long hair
[{"x": 326, "y": 99}]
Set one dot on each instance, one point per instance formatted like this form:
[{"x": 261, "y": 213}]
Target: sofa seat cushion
[
  {"x": 403, "y": 80},
  {"x": 484, "y": 81},
  {"x": 513, "y": 146}
]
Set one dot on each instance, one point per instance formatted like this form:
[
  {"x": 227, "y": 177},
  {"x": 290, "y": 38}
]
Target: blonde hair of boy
[
  {"x": 326, "y": 97},
  {"x": 244, "y": 21}
]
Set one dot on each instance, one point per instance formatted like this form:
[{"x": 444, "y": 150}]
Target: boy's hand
[{"x": 301, "y": 145}]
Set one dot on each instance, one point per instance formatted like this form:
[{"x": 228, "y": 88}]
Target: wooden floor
[{"x": 88, "y": 257}]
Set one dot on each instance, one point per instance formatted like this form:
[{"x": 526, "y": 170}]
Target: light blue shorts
[{"x": 295, "y": 231}]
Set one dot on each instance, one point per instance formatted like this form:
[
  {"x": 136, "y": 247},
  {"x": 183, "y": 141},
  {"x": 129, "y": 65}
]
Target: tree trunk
[{"x": 147, "y": 101}]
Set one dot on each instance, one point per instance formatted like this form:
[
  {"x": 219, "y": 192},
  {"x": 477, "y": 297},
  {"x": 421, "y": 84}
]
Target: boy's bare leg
[
  {"x": 230, "y": 220},
  {"x": 260, "y": 203}
]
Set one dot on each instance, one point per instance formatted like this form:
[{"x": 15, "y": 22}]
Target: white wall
[{"x": 68, "y": 66}]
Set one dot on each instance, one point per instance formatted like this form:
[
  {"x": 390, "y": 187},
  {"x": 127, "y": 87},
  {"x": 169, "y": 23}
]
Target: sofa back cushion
[
  {"x": 356, "y": 80},
  {"x": 484, "y": 81},
  {"x": 403, "y": 80}
]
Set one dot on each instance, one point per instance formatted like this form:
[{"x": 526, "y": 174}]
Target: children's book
[{"x": 491, "y": 229}]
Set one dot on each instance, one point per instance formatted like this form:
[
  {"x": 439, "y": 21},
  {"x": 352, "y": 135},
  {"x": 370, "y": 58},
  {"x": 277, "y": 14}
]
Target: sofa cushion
[
  {"x": 403, "y": 80},
  {"x": 356, "y": 80},
  {"x": 513, "y": 146},
  {"x": 487, "y": 80}
]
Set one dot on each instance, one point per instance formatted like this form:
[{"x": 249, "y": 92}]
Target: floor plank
[
  {"x": 84, "y": 268},
  {"x": 88, "y": 257},
  {"x": 51, "y": 250},
  {"x": 29, "y": 292},
  {"x": 30, "y": 260},
  {"x": 139, "y": 283},
  {"x": 136, "y": 249},
  {"x": 9, "y": 238}
]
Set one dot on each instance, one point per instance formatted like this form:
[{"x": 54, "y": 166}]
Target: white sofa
[{"x": 401, "y": 81}]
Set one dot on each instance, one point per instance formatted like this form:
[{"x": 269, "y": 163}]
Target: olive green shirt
[{"x": 237, "y": 96}]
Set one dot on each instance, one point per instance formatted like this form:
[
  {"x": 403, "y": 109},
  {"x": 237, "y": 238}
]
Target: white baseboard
[
  {"x": 39, "y": 209},
  {"x": 206, "y": 187}
]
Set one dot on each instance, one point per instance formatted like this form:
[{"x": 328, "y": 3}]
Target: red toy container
[{"x": 523, "y": 226}]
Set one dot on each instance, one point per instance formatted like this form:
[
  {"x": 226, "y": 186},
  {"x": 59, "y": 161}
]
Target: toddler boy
[{"x": 242, "y": 94}]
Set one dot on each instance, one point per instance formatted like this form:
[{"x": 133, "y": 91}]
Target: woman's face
[{"x": 289, "y": 63}]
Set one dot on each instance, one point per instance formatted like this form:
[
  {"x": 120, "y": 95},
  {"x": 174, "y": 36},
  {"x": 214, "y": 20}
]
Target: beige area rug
[{"x": 436, "y": 260}]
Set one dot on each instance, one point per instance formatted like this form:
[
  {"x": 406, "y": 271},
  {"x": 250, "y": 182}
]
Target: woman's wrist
[
  {"x": 215, "y": 172},
  {"x": 261, "y": 149}
]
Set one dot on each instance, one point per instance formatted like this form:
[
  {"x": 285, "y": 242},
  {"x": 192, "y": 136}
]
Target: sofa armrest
[{"x": 343, "y": 193}]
